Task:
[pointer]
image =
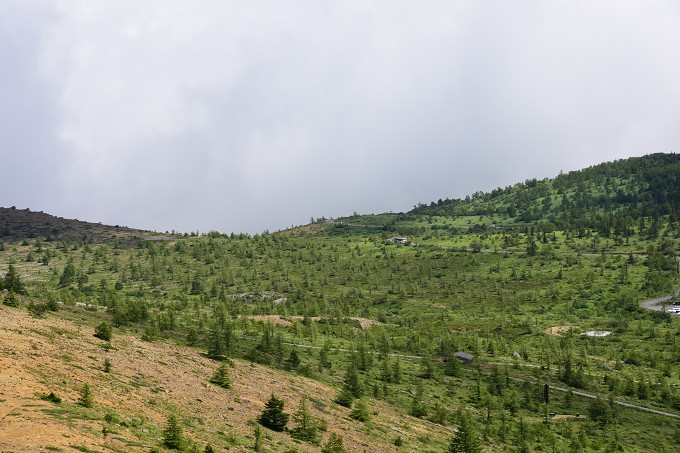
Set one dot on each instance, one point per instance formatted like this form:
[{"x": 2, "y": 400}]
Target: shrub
[
  {"x": 103, "y": 331},
  {"x": 52, "y": 397}
]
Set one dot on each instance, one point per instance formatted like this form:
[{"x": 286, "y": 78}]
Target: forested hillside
[
  {"x": 608, "y": 197},
  {"x": 459, "y": 326}
]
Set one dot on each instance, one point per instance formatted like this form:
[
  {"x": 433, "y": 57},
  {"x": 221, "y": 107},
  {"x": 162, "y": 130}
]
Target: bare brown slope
[{"x": 148, "y": 381}]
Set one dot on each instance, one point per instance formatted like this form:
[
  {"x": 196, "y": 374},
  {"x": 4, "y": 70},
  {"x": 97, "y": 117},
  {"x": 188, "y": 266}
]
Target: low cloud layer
[{"x": 246, "y": 116}]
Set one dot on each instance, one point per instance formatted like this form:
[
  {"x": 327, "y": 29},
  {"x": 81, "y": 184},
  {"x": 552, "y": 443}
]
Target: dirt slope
[{"x": 147, "y": 382}]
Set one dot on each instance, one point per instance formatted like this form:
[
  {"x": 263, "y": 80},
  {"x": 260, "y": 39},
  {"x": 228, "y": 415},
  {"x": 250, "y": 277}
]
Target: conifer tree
[
  {"x": 418, "y": 408},
  {"x": 465, "y": 440},
  {"x": 351, "y": 382},
  {"x": 305, "y": 426},
  {"x": 273, "y": 416},
  {"x": 172, "y": 434},
  {"x": 334, "y": 444},
  {"x": 68, "y": 276},
  {"x": 221, "y": 376},
  {"x": 12, "y": 282},
  {"x": 86, "y": 399},
  {"x": 360, "y": 411},
  {"x": 11, "y": 299}
]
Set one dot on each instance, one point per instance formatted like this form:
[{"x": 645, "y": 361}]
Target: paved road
[
  {"x": 590, "y": 395},
  {"x": 656, "y": 304}
]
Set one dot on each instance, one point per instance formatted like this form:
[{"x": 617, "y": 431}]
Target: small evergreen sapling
[
  {"x": 360, "y": 411},
  {"x": 172, "y": 434},
  {"x": 334, "y": 444},
  {"x": 86, "y": 399},
  {"x": 221, "y": 376},
  {"x": 273, "y": 416},
  {"x": 306, "y": 427}
]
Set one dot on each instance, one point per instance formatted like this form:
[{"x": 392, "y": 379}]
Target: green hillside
[
  {"x": 512, "y": 277},
  {"x": 609, "y": 199}
]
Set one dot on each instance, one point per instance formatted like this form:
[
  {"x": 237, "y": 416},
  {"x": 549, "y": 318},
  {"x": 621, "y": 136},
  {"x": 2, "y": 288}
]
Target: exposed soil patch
[
  {"x": 274, "y": 319},
  {"x": 563, "y": 417},
  {"x": 559, "y": 330}
]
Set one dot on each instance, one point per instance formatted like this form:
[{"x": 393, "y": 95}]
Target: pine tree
[
  {"x": 86, "y": 399},
  {"x": 172, "y": 434},
  {"x": 418, "y": 408},
  {"x": 216, "y": 346},
  {"x": 68, "y": 276},
  {"x": 12, "y": 282},
  {"x": 351, "y": 382},
  {"x": 273, "y": 416},
  {"x": 221, "y": 376},
  {"x": 257, "y": 433},
  {"x": 305, "y": 426},
  {"x": 334, "y": 444},
  {"x": 360, "y": 411},
  {"x": 324, "y": 359},
  {"x": 293, "y": 360},
  {"x": 11, "y": 300},
  {"x": 465, "y": 440},
  {"x": 396, "y": 371}
]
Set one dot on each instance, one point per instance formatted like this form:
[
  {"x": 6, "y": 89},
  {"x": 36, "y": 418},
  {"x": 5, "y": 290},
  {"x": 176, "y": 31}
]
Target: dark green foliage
[
  {"x": 293, "y": 360},
  {"x": 221, "y": 376},
  {"x": 351, "y": 387},
  {"x": 465, "y": 440},
  {"x": 52, "y": 397},
  {"x": 68, "y": 276},
  {"x": 344, "y": 398},
  {"x": 257, "y": 434},
  {"x": 324, "y": 357},
  {"x": 351, "y": 382},
  {"x": 107, "y": 366},
  {"x": 600, "y": 411},
  {"x": 273, "y": 416},
  {"x": 334, "y": 444},
  {"x": 86, "y": 399},
  {"x": 360, "y": 411},
  {"x": 418, "y": 407},
  {"x": 12, "y": 282},
  {"x": 103, "y": 331},
  {"x": 11, "y": 300},
  {"x": 306, "y": 427},
  {"x": 173, "y": 436}
]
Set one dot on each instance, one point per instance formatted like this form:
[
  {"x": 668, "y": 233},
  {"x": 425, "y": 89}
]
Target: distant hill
[
  {"x": 18, "y": 224},
  {"x": 638, "y": 186},
  {"x": 609, "y": 198}
]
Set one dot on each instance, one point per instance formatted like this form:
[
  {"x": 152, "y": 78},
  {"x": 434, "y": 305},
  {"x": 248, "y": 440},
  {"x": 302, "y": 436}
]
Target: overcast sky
[{"x": 257, "y": 115}]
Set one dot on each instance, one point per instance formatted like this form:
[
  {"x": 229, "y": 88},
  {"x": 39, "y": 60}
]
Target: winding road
[{"x": 657, "y": 304}]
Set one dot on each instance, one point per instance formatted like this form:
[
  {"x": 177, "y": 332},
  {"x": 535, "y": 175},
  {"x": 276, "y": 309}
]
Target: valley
[{"x": 472, "y": 325}]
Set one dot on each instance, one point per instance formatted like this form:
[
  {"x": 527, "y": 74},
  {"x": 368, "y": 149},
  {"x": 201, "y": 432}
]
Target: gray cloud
[{"x": 250, "y": 116}]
